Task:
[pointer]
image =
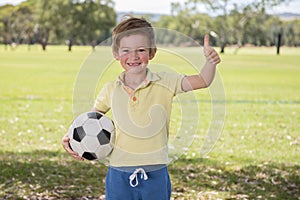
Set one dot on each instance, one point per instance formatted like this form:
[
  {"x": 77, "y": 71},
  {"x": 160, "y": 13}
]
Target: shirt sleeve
[
  {"x": 102, "y": 101},
  {"x": 174, "y": 82}
]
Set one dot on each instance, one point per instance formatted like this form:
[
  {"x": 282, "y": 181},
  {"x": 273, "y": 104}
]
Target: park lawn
[{"x": 256, "y": 157}]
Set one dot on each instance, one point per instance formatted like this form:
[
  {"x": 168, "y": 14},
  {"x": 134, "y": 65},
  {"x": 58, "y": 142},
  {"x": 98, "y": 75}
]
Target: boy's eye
[
  {"x": 141, "y": 50},
  {"x": 125, "y": 50}
]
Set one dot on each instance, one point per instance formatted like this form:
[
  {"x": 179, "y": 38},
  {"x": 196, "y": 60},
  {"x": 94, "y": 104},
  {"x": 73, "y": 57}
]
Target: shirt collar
[{"x": 150, "y": 77}]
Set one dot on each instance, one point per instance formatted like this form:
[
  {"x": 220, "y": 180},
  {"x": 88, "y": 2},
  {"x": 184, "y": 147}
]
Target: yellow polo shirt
[{"x": 141, "y": 117}]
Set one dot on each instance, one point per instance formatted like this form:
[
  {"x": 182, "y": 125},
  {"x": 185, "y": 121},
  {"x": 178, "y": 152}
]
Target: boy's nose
[{"x": 134, "y": 54}]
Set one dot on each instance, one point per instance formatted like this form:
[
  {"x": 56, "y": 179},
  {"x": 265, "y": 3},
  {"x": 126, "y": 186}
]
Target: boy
[{"x": 141, "y": 102}]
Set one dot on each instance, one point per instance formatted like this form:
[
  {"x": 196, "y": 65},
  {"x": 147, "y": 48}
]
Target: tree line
[
  {"x": 235, "y": 24},
  {"x": 89, "y": 22},
  {"x": 72, "y": 22}
]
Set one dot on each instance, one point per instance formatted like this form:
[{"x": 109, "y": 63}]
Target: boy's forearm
[
  {"x": 201, "y": 80},
  {"x": 208, "y": 73}
]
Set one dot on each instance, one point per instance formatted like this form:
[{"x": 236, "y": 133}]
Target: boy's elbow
[
  {"x": 206, "y": 84},
  {"x": 203, "y": 85}
]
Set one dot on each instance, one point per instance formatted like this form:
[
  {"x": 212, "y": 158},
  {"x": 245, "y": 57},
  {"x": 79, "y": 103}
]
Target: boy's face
[{"x": 134, "y": 53}]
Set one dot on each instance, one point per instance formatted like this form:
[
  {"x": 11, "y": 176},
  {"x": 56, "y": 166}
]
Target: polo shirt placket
[{"x": 134, "y": 94}]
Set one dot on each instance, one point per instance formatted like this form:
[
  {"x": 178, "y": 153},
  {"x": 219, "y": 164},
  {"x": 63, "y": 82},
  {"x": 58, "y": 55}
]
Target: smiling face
[{"x": 134, "y": 53}]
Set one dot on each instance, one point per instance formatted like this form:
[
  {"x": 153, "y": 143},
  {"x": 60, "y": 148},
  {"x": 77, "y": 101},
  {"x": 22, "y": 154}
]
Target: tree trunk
[
  {"x": 44, "y": 39},
  {"x": 94, "y": 44},
  {"x": 278, "y": 43},
  {"x": 70, "y": 44},
  {"x": 44, "y": 45},
  {"x": 223, "y": 48}
]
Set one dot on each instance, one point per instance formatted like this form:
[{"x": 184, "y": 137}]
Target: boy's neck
[{"x": 134, "y": 80}]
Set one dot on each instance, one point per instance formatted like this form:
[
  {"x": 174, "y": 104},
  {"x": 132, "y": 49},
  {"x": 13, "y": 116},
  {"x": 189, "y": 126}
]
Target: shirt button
[{"x": 134, "y": 98}]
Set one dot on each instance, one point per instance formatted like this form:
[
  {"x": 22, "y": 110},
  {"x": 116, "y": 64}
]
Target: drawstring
[{"x": 134, "y": 176}]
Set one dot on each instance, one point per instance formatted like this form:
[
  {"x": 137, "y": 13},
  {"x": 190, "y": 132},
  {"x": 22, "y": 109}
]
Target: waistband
[{"x": 147, "y": 168}]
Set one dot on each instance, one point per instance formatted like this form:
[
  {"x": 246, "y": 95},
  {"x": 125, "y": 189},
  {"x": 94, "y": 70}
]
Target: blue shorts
[{"x": 138, "y": 183}]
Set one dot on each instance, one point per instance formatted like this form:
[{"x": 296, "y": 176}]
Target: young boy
[{"x": 141, "y": 102}]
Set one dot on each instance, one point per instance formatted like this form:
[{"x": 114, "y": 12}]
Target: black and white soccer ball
[{"x": 92, "y": 135}]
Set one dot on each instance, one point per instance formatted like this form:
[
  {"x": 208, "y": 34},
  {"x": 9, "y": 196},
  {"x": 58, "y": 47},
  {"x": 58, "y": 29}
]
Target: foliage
[
  {"x": 195, "y": 26},
  {"x": 5, "y": 13},
  {"x": 232, "y": 23},
  {"x": 57, "y": 21},
  {"x": 292, "y": 32}
]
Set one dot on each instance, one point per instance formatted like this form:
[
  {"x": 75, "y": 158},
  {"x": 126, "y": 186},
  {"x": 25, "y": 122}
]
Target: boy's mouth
[{"x": 135, "y": 64}]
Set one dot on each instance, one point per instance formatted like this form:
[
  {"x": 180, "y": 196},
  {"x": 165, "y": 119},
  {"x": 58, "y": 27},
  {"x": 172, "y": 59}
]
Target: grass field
[{"x": 256, "y": 157}]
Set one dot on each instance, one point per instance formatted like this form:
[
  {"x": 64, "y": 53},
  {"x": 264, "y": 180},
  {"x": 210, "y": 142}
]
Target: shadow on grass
[
  {"x": 49, "y": 175},
  {"x": 211, "y": 180},
  {"x": 55, "y": 175}
]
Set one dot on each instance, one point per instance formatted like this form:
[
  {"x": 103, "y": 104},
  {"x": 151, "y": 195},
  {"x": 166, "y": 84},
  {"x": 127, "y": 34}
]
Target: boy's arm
[
  {"x": 97, "y": 110},
  {"x": 206, "y": 76}
]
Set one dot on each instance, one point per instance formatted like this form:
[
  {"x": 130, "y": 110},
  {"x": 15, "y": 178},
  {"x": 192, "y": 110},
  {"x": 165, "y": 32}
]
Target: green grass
[{"x": 256, "y": 157}]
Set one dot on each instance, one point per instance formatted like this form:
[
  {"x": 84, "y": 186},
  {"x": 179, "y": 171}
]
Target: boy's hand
[
  {"x": 210, "y": 53},
  {"x": 66, "y": 145}
]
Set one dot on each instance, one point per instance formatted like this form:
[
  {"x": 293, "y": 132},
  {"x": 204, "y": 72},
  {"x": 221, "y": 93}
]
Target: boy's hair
[{"x": 130, "y": 26}]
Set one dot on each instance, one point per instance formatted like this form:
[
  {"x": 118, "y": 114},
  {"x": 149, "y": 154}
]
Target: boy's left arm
[{"x": 206, "y": 76}]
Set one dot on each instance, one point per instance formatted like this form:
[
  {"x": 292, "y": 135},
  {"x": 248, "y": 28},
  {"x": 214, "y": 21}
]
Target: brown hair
[{"x": 130, "y": 26}]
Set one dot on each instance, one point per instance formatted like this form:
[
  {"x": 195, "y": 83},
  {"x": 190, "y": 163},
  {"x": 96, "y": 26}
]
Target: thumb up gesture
[{"x": 210, "y": 53}]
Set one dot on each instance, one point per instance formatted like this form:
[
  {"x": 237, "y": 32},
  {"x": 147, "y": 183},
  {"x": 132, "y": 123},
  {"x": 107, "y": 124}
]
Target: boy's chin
[{"x": 136, "y": 70}]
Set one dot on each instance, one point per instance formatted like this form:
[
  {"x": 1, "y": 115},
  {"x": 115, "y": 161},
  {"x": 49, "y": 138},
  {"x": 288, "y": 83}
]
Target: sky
[{"x": 164, "y": 6}]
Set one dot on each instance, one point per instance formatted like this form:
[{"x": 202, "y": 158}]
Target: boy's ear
[
  {"x": 116, "y": 55},
  {"x": 152, "y": 53}
]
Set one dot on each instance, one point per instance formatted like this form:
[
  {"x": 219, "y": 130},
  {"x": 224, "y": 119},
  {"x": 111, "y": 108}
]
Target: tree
[
  {"x": 223, "y": 7},
  {"x": 81, "y": 22},
  {"x": 291, "y": 33},
  {"x": 52, "y": 17},
  {"x": 5, "y": 26},
  {"x": 93, "y": 21},
  {"x": 186, "y": 21},
  {"x": 22, "y": 24}
]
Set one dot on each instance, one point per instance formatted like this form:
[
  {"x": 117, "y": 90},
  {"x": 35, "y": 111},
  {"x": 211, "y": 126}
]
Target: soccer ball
[{"x": 92, "y": 135}]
